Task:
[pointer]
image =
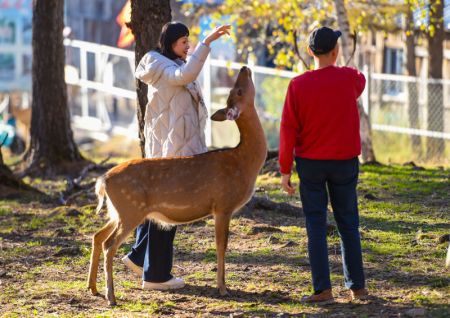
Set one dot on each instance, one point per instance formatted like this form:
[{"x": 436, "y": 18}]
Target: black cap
[{"x": 323, "y": 40}]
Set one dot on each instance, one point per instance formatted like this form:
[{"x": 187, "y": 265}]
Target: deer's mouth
[
  {"x": 246, "y": 70},
  {"x": 233, "y": 113}
]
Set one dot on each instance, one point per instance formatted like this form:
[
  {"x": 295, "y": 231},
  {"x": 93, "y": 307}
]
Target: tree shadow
[
  {"x": 235, "y": 295},
  {"x": 406, "y": 178},
  {"x": 397, "y": 226}
]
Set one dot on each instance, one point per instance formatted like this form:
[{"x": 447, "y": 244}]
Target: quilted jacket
[{"x": 176, "y": 114}]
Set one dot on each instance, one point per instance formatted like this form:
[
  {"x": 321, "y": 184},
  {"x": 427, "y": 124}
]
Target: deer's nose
[{"x": 246, "y": 69}]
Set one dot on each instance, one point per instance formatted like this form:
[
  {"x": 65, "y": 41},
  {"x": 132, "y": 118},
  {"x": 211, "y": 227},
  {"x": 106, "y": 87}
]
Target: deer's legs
[
  {"x": 222, "y": 223},
  {"x": 121, "y": 231},
  {"x": 97, "y": 241}
]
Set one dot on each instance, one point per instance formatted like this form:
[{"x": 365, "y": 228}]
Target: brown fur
[{"x": 182, "y": 190}]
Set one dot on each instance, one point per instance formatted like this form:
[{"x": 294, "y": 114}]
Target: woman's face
[{"x": 181, "y": 47}]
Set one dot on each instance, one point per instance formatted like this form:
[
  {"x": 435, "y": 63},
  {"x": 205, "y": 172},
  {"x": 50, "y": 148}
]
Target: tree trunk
[
  {"x": 435, "y": 146},
  {"x": 10, "y": 185},
  {"x": 52, "y": 148},
  {"x": 147, "y": 19},
  {"x": 368, "y": 154},
  {"x": 413, "y": 96}
]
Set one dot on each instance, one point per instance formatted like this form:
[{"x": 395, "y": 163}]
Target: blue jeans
[
  {"x": 340, "y": 177},
  {"x": 153, "y": 251}
]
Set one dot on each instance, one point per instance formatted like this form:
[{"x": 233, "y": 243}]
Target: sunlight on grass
[
  {"x": 292, "y": 307},
  {"x": 61, "y": 285},
  {"x": 128, "y": 284},
  {"x": 149, "y": 308},
  {"x": 400, "y": 228},
  {"x": 4, "y": 211},
  {"x": 36, "y": 223}
]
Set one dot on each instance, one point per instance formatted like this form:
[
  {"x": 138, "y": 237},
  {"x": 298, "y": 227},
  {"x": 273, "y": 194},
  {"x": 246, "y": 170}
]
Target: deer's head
[{"x": 241, "y": 97}]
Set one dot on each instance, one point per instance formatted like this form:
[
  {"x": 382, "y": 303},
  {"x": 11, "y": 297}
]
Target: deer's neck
[{"x": 253, "y": 142}]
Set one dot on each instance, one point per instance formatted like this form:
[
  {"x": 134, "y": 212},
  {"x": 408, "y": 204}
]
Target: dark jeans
[
  {"x": 340, "y": 177},
  {"x": 153, "y": 251}
]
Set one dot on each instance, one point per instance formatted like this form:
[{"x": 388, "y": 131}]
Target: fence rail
[{"x": 102, "y": 83}]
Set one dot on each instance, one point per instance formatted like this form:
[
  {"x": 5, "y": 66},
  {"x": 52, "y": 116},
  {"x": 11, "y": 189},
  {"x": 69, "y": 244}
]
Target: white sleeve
[{"x": 181, "y": 75}]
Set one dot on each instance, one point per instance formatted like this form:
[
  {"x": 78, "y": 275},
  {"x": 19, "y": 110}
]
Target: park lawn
[{"x": 45, "y": 249}]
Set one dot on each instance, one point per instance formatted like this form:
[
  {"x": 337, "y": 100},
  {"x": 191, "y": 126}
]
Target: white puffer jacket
[{"x": 176, "y": 114}]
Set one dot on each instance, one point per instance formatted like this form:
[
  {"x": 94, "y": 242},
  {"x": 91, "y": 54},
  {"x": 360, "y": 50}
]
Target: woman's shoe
[
  {"x": 132, "y": 266},
  {"x": 173, "y": 283}
]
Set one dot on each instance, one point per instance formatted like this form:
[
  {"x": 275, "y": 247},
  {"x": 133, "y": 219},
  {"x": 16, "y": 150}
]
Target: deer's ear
[{"x": 220, "y": 115}]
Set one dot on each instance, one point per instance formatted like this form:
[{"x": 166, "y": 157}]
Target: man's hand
[{"x": 286, "y": 184}]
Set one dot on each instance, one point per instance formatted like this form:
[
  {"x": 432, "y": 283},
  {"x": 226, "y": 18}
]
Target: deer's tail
[{"x": 100, "y": 192}]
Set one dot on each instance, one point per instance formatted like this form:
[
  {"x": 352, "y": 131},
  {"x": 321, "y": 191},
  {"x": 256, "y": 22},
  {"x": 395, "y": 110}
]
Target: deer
[{"x": 181, "y": 190}]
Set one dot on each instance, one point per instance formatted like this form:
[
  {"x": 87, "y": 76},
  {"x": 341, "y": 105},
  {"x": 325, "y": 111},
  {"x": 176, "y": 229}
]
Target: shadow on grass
[
  {"x": 25, "y": 197},
  {"x": 396, "y": 226},
  {"x": 407, "y": 183},
  {"x": 268, "y": 297},
  {"x": 261, "y": 304}
]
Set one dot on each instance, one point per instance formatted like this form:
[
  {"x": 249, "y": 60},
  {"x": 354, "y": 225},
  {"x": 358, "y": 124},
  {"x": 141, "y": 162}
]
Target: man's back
[
  {"x": 321, "y": 123},
  {"x": 321, "y": 106}
]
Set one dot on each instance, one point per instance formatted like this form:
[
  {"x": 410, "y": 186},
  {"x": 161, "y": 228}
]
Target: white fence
[
  {"x": 90, "y": 69},
  {"x": 101, "y": 84},
  {"x": 395, "y": 89}
]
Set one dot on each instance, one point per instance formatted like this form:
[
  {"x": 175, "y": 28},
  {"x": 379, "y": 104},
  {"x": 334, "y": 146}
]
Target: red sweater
[{"x": 320, "y": 116}]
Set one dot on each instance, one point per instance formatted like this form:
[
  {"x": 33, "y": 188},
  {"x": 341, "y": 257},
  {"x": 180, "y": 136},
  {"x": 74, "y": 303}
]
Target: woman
[{"x": 175, "y": 119}]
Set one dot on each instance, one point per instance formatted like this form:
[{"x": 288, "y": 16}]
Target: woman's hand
[{"x": 217, "y": 33}]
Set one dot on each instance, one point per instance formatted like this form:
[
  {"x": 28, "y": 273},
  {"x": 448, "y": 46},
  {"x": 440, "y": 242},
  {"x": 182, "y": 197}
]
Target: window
[
  {"x": 393, "y": 61},
  {"x": 393, "y": 64}
]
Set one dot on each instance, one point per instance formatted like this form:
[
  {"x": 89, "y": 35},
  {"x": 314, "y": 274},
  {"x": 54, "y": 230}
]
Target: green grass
[{"x": 399, "y": 229}]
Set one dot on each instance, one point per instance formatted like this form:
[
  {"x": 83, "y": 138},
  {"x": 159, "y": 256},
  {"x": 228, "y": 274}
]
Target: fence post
[
  {"x": 366, "y": 93},
  {"x": 84, "y": 77}
]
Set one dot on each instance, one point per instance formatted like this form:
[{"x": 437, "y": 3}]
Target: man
[{"x": 320, "y": 125}]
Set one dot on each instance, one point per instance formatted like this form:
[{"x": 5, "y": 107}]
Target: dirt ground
[{"x": 45, "y": 249}]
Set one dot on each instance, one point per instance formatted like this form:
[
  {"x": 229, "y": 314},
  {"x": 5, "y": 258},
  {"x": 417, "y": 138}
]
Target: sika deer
[{"x": 185, "y": 189}]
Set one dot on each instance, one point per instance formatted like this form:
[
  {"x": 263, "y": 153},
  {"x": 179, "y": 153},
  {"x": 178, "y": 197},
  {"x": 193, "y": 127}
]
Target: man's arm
[
  {"x": 360, "y": 82},
  {"x": 288, "y": 133}
]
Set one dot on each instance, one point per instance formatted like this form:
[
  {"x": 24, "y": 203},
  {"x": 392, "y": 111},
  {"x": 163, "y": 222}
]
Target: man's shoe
[
  {"x": 360, "y": 294},
  {"x": 173, "y": 283},
  {"x": 132, "y": 266},
  {"x": 322, "y": 298}
]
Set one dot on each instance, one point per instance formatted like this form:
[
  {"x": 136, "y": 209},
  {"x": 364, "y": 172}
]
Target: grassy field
[{"x": 45, "y": 248}]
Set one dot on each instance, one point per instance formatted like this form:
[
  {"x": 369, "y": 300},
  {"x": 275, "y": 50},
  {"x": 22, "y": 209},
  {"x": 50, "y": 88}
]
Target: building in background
[
  {"x": 94, "y": 20},
  {"x": 15, "y": 45}
]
